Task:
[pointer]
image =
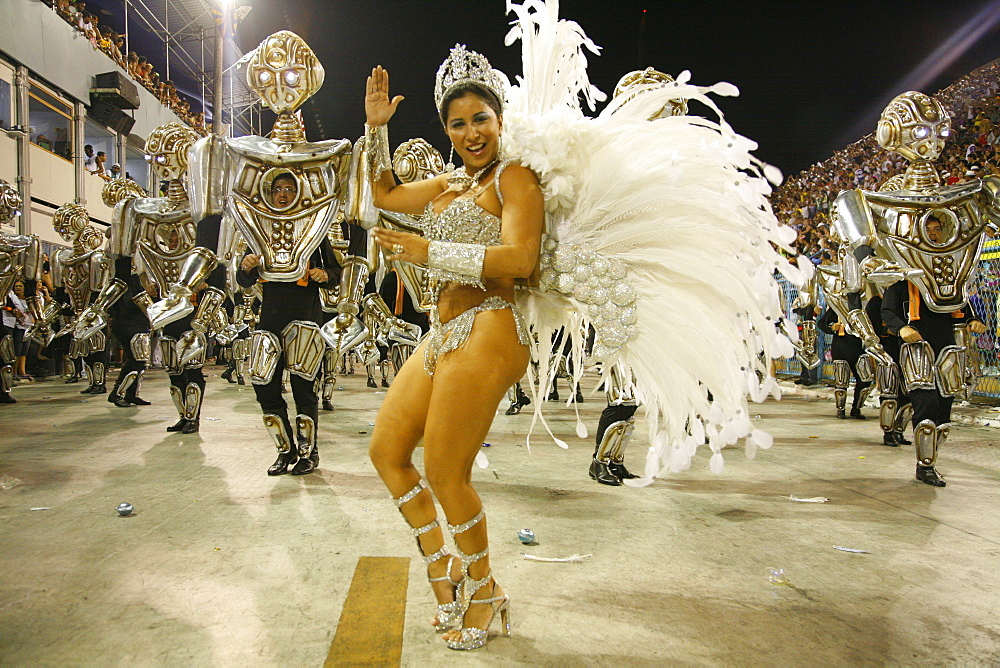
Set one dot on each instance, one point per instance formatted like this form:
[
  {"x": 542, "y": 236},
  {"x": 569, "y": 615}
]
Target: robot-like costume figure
[
  {"x": 116, "y": 303},
  {"x": 849, "y": 359},
  {"x": 20, "y": 257},
  {"x": 895, "y": 409},
  {"x": 286, "y": 228},
  {"x": 84, "y": 273},
  {"x": 807, "y": 350},
  {"x": 158, "y": 234},
  {"x": 925, "y": 238}
]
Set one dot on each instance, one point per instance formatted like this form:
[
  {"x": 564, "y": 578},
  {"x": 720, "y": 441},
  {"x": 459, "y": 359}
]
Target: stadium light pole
[{"x": 220, "y": 49}]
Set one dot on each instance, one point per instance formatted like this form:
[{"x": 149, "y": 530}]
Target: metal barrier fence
[{"x": 985, "y": 303}]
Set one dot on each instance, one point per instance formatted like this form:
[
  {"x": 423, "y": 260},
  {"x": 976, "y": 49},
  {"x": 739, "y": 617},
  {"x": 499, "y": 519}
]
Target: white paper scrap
[
  {"x": 815, "y": 499},
  {"x": 565, "y": 560}
]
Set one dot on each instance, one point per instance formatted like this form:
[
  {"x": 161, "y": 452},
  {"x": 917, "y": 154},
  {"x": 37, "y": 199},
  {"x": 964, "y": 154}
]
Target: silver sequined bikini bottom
[{"x": 457, "y": 330}]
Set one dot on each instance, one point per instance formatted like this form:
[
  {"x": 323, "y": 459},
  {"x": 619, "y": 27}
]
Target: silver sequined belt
[{"x": 458, "y": 329}]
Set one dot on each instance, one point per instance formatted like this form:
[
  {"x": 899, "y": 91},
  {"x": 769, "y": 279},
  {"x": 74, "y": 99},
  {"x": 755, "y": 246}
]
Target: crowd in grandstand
[
  {"x": 804, "y": 199},
  {"x": 102, "y": 37}
]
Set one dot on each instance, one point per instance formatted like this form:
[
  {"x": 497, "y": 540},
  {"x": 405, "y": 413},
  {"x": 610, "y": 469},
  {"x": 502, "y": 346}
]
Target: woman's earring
[{"x": 450, "y": 167}]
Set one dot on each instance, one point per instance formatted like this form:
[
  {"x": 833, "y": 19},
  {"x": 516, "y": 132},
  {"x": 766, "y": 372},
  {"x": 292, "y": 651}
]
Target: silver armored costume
[
  {"x": 917, "y": 230},
  {"x": 84, "y": 272},
  {"x": 284, "y": 227},
  {"x": 20, "y": 257},
  {"x": 158, "y": 233}
]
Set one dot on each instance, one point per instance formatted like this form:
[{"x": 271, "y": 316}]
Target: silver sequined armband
[
  {"x": 377, "y": 140},
  {"x": 464, "y": 259}
]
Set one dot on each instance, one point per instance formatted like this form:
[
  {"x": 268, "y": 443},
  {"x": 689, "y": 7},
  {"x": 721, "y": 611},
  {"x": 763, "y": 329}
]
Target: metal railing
[{"x": 985, "y": 303}]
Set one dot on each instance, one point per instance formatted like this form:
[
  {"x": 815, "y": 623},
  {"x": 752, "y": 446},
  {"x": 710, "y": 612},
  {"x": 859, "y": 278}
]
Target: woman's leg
[
  {"x": 468, "y": 386},
  {"x": 398, "y": 428}
]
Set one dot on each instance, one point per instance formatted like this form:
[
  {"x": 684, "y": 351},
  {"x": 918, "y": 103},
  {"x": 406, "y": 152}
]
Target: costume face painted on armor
[
  {"x": 166, "y": 150},
  {"x": 915, "y": 126},
  {"x": 474, "y": 130},
  {"x": 10, "y": 201},
  {"x": 284, "y": 72},
  {"x": 71, "y": 221}
]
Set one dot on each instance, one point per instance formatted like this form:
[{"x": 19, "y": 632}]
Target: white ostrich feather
[{"x": 679, "y": 203}]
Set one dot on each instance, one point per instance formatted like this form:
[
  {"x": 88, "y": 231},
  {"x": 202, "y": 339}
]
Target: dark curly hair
[{"x": 464, "y": 88}]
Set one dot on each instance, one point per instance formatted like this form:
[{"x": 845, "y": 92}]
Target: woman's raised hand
[{"x": 378, "y": 108}]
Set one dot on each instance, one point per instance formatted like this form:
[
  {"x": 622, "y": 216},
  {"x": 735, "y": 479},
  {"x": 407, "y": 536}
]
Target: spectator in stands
[
  {"x": 99, "y": 160},
  {"x": 89, "y": 159}
]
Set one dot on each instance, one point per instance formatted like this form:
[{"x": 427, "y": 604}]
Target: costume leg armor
[
  {"x": 928, "y": 437},
  {"x": 329, "y": 378},
  {"x": 193, "y": 395},
  {"x": 278, "y": 430},
  {"x": 518, "y": 399},
  {"x": 384, "y": 370},
  {"x": 841, "y": 378},
  {"x": 903, "y": 415},
  {"x": 608, "y": 467},
  {"x": 370, "y": 368},
  {"x": 177, "y": 396},
  {"x": 264, "y": 349},
  {"x": 861, "y": 392},
  {"x": 122, "y": 386},
  {"x": 7, "y": 358},
  {"x": 305, "y": 436}
]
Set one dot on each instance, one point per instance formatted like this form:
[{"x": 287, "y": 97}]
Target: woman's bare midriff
[{"x": 455, "y": 298}]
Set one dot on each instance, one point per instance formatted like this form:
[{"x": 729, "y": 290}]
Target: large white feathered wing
[{"x": 659, "y": 236}]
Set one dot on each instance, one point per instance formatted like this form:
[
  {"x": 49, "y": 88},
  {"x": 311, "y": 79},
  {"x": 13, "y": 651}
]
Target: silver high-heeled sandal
[
  {"x": 474, "y": 637},
  {"x": 448, "y": 615}
]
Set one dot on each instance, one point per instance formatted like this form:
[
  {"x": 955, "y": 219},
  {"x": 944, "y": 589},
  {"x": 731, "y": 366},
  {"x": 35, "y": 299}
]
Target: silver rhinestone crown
[{"x": 463, "y": 65}]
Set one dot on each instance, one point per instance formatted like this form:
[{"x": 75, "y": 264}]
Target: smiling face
[{"x": 474, "y": 129}]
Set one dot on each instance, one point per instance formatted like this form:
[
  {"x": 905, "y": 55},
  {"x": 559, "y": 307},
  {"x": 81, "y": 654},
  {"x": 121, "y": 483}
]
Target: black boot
[
  {"x": 75, "y": 378},
  {"x": 579, "y": 396},
  {"x": 88, "y": 390},
  {"x": 191, "y": 427},
  {"x": 619, "y": 471},
  {"x": 902, "y": 440},
  {"x": 930, "y": 476},
  {"x": 139, "y": 401},
  {"x": 240, "y": 380},
  {"x": 307, "y": 464},
  {"x": 889, "y": 438},
  {"x": 281, "y": 464},
  {"x": 120, "y": 402},
  {"x": 327, "y": 406},
  {"x": 100, "y": 388},
  {"x": 385, "y": 382},
  {"x": 600, "y": 472},
  {"x": 228, "y": 374},
  {"x": 513, "y": 409},
  {"x": 856, "y": 414},
  {"x": 371, "y": 382},
  {"x": 841, "y": 414},
  {"x": 5, "y": 398},
  {"x": 178, "y": 426}
]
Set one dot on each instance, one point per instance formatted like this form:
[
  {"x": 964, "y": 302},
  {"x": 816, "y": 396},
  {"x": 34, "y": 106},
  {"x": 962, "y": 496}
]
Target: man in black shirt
[
  {"x": 906, "y": 315},
  {"x": 288, "y": 312}
]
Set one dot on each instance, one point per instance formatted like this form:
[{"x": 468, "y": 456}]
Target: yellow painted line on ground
[{"x": 370, "y": 631}]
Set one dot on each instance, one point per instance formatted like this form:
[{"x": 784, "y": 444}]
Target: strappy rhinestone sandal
[
  {"x": 474, "y": 637},
  {"x": 448, "y": 614}
]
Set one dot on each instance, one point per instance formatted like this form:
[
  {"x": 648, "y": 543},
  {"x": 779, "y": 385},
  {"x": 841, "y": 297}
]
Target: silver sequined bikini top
[{"x": 463, "y": 221}]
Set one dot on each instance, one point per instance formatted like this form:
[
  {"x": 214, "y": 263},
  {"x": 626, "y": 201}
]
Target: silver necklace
[{"x": 461, "y": 181}]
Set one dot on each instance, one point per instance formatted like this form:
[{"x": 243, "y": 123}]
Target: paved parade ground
[{"x": 222, "y": 565}]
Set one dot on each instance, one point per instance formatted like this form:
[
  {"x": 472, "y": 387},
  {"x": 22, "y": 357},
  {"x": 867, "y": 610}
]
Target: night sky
[{"x": 813, "y": 75}]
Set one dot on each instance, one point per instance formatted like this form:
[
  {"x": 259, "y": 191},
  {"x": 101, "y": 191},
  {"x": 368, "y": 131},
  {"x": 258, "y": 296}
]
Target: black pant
[
  {"x": 124, "y": 331},
  {"x": 609, "y": 416},
  {"x": 930, "y": 405},
  {"x": 181, "y": 380},
  {"x": 849, "y": 349},
  {"x": 274, "y": 318}
]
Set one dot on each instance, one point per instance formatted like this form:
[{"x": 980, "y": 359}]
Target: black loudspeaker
[
  {"x": 113, "y": 117},
  {"x": 115, "y": 89}
]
